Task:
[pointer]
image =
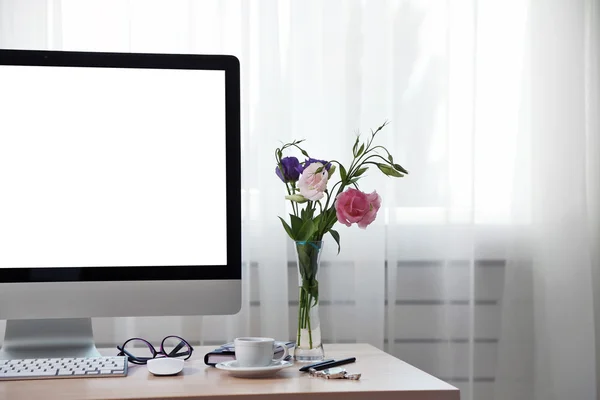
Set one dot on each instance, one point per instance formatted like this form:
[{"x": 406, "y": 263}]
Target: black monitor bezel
[{"x": 227, "y": 63}]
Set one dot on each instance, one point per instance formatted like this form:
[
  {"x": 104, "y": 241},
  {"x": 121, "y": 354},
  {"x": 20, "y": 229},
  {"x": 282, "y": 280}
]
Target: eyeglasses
[{"x": 139, "y": 350}]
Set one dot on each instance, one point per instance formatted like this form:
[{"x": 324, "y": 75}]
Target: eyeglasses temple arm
[
  {"x": 176, "y": 349},
  {"x": 131, "y": 356}
]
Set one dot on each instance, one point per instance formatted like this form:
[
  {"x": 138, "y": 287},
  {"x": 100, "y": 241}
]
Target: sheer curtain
[{"x": 482, "y": 267}]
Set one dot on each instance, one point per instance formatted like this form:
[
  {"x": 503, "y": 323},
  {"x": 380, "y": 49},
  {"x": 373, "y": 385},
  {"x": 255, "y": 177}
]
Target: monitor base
[{"x": 48, "y": 338}]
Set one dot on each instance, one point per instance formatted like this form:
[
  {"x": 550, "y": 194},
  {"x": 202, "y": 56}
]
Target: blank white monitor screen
[{"x": 112, "y": 167}]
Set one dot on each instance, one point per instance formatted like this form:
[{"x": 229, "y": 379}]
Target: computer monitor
[{"x": 120, "y": 192}]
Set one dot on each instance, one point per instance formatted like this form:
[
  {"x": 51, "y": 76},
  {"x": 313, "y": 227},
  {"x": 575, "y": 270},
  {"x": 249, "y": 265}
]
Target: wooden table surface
[{"x": 383, "y": 377}]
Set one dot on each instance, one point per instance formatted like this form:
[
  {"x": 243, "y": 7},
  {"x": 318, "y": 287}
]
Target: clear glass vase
[{"x": 308, "y": 336}]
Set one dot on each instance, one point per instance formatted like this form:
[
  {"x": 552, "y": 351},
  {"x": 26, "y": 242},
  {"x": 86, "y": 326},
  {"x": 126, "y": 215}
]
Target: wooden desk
[{"x": 383, "y": 377}]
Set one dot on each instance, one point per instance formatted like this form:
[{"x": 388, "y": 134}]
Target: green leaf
[
  {"x": 390, "y": 158},
  {"x": 311, "y": 286},
  {"x": 354, "y": 180},
  {"x": 287, "y": 228},
  {"x": 317, "y": 219},
  {"x": 343, "y": 173},
  {"x": 319, "y": 170},
  {"x": 361, "y": 150},
  {"x": 389, "y": 171},
  {"x": 336, "y": 237},
  {"x": 305, "y": 153},
  {"x": 314, "y": 291},
  {"x": 398, "y": 167},
  {"x": 361, "y": 171},
  {"x": 309, "y": 213},
  {"x": 279, "y": 154},
  {"x": 296, "y": 224},
  {"x": 381, "y": 127},
  {"x": 306, "y": 230}
]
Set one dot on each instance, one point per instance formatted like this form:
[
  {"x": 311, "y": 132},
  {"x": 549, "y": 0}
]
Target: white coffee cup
[{"x": 257, "y": 351}]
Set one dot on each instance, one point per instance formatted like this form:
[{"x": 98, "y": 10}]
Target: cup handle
[{"x": 285, "y": 351}]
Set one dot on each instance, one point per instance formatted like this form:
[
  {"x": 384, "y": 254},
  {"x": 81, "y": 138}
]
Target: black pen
[
  {"x": 307, "y": 367},
  {"x": 328, "y": 364}
]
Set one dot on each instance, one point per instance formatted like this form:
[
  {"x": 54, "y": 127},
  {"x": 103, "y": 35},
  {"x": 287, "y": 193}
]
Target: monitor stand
[{"x": 48, "y": 338}]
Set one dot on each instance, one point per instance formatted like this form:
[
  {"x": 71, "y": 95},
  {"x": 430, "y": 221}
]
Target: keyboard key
[
  {"x": 65, "y": 372},
  {"x": 43, "y": 373}
]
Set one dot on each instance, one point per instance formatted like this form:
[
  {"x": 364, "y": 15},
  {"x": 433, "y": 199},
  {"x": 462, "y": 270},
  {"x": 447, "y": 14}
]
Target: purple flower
[
  {"x": 306, "y": 163},
  {"x": 291, "y": 169}
]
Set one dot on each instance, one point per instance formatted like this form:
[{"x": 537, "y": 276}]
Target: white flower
[{"x": 313, "y": 184}]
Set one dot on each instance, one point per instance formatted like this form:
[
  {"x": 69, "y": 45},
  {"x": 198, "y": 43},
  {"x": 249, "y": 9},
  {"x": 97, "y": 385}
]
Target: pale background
[{"x": 482, "y": 267}]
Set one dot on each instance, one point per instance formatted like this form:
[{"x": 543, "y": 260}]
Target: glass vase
[{"x": 308, "y": 336}]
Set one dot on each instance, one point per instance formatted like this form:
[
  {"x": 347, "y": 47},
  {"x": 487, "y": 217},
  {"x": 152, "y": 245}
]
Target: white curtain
[{"x": 483, "y": 265}]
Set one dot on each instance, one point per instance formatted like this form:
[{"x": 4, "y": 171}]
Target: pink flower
[
  {"x": 313, "y": 184},
  {"x": 354, "y": 206}
]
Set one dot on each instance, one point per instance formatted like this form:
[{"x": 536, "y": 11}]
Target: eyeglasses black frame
[{"x": 143, "y": 360}]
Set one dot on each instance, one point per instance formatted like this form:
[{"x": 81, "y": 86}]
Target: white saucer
[{"x": 253, "y": 372}]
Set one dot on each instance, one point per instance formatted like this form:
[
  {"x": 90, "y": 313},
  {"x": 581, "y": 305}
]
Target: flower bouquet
[{"x": 316, "y": 206}]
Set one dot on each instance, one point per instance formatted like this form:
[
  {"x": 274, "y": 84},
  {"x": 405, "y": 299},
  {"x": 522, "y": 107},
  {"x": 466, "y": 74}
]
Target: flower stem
[
  {"x": 299, "y": 317},
  {"x": 304, "y": 305},
  {"x": 310, "y": 342}
]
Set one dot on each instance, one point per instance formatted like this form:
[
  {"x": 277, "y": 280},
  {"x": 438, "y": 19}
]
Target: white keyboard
[{"x": 51, "y": 368}]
